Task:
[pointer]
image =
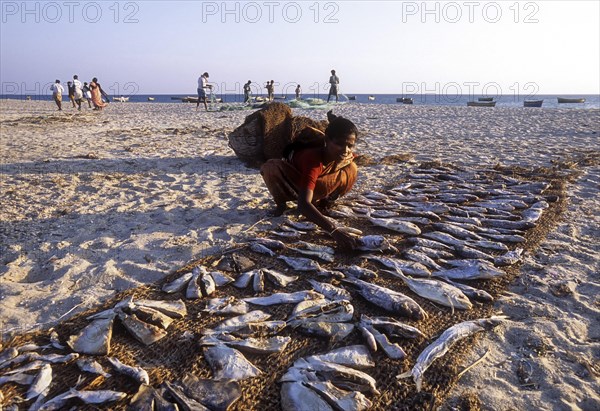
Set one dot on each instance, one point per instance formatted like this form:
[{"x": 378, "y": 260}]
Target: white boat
[
  {"x": 150, "y": 98},
  {"x": 371, "y": 98},
  {"x": 121, "y": 99}
]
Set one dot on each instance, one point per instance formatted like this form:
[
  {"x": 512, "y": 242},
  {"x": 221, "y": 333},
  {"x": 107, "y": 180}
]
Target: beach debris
[
  {"x": 137, "y": 373},
  {"x": 388, "y": 299},
  {"x": 229, "y": 364},
  {"x": 444, "y": 342}
]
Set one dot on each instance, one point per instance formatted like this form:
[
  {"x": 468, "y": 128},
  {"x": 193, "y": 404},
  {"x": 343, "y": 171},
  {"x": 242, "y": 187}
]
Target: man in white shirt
[
  {"x": 57, "y": 90},
  {"x": 78, "y": 95},
  {"x": 202, "y": 86}
]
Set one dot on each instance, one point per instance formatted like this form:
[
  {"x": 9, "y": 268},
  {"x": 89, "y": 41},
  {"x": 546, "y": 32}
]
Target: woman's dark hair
[{"x": 339, "y": 126}]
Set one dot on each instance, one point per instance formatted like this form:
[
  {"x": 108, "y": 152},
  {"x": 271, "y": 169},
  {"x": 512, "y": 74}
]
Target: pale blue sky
[{"x": 531, "y": 47}]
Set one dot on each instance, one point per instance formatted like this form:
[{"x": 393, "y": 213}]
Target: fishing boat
[
  {"x": 407, "y": 100},
  {"x": 279, "y": 97},
  {"x": 121, "y": 99},
  {"x": 371, "y": 98},
  {"x": 485, "y": 99},
  {"x": 150, "y": 98},
  {"x": 570, "y": 100},
  {"x": 481, "y": 104},
  {"x": 533, "y": 103}
]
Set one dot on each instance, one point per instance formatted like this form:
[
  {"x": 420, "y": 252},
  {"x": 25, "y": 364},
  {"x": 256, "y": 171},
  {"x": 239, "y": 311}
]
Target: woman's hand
[{"x": 344, "y": 240}]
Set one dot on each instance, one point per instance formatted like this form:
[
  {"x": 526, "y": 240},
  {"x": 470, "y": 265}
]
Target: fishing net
[{"x": 179, "y": 352}]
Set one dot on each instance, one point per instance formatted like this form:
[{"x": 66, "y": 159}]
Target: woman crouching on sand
[{"x": 316, "y": 170}]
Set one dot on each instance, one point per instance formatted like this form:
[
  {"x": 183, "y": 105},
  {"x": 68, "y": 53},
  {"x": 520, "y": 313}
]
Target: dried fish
[
  {"x": 300, "y": 263},
  {"x": 375, "y": 243},
  {"x": 278, "y": 278},
  {"x": 388, "y": 299},
  {"x": 268, "y": 242},
  {"x": 137, "y": 373},
  {"x": 229, "y": 364},
  {"x": 331, "y": 330},
  {"x": 145, "y": 333},
  {"x": 258, "y": 281},
  {"x": 8, "y": 355},
  {"x": 397, "y": 225},
  {"x": 340, "y": 399},
  {"x": 186, "y": 403},
  {"x": 471, "y": 292},
  {"x": 325, "y": 253},
  {"x": 432, "y": 253},
  {"x": 469, "y": 270},
  {"x": 94, "y": 339},
  {"x": 358, "y": 272},
  {"x": 429, "y": 243},
  {"x": 40, "y": 382},
  {"x": 259, "y": 329},
  {"x": 226, "y": 305},
  {"x": 422, "y": 259},
  {"x": 392, "y": 350},
  {"x": 471, "y": 253},
  {"x": 441, "y": 346},
  {"x": 284, "y": 298},
  {"x": 215, "y": 395},
  {"x": 355, "y": 356},
  {"x": 220, "y": 279},
  {"x": 152, "y": 316},
  {"x": 443, "y": 238},
  {"x": 438, "y": 291},
  {"x": 510, "y": 258},
  {"x": 99, "y": 396},
  {"x": 250, "y": 345},
  {"x": 301, "y": 225},
  {"x": 174, "y": 308},
  {"x": 402, "y": 266},
  {"x": 330, "y": 291},
  {"x": 17, "y": 378},
  {"x": 91, "y": 366},
  {"x": 238, "y": 322},
  {"x": 490, "y": 245},
  {"x": 261, "y": 249},
  {"x": 178, "y": 284},
  {"x": 322, "y": 310},
  {"x": 392, "y": 327},
  {"x": 295, "y": 396}
]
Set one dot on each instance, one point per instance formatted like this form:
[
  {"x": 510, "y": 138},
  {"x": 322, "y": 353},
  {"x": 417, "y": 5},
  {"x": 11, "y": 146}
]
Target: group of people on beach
[
  {"x": 204, "y": 86},
  {"x": 91, "y": 92}
]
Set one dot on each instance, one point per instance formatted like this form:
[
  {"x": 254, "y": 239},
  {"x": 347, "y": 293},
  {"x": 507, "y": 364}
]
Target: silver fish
[
  {"x": 186, "y": 403},
  {"x": 144, "y": 399},
  {"x": 93, "y": 339},
  {"x": 469, "y": 270},
  {"x": 259, "y": 329},
  {"x": 301, "y": 225},
  {"x": 8, "y": 355},
  {"x": 284, "y": 298},
  {"x": 99, "y": 396},
  {"x": 137, "y": 373},
  {"x": 388, "y": 299},
  {"x": 432, "y": 252},
  {"x": 330, "y": 291},
  {"x": 331, "y": 330},
  {"x": 409, "y": 267},
  {"x": 226, "y": 305},
  {"x": 215, "y": 395},
  {"x": 322, "y": 311},
  {"x": 456, "y": 231},
  {"x": 397, "y": 225},
  {"x": 392, "y": 327},
  {"x": 295, "y": 396},
  {"x": 152, "y": 316},
  {"x": 506, "y": 238},
  {"x": 514, "y": 225},
  {"x": 193, "y": 290},
  {"x": 258, "y": 281},
  {"x": 178, "y": 284},
  {"x": 300, "y": 264},
  {"x": 17, "y": 378},
  {"x": 438, "y": 291},
  {"x": 341, "y": 211},
  {"x": 375, "y": 243},
  {"x": 429, "y": 243},
  {"x": 40, "y": 382},
  {"x": 471, "y": 292},
  {"x": 220, "y": 279},
  {"x": 235, "y": 323},
  {"x": 56, "y": 403},
  {"x": 422, "y": 259},
  {"x": 471, "y": 253},
  {"x": 392, "y": 350},
  {"x": 358, "y": 272},
  {"x": 278, "y": 278},
  {"x": 469, "y": 220},
  {"x": 244, "y": 279},
  {"x": 229, "y": 364},
  {"x": 268, "y": 242},
  {"x": 510, "y": 258},
  {"x": 174, "y": 308},
  {"x": 91, "y": 366},
  {"x": 443, "y": 238},
  {"x": 532, "y": 215},
  {"x": 441, "y": 346},
  {"x": 355, "y": 356},
  {"x": 145, "y": 333},
  {"x": 340, "y": 399},
  {"x": 30, "y": 366},
  {"x": 287, "y": 234},
  {"x": 490, "y": 245},
  {"x": 250, "y": 345},
  {"x": 261, "y": 249}
]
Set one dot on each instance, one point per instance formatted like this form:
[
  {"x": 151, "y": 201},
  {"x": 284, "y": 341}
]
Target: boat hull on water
[
  {"x": 562, "y": 100},
  {"x": 404, "y": 100},
  {"x": 481, "y": 104},
  {"x": 485, "y": 99},
  {"x": 533, "y": 103},
  {"x": 351, "y": 98}
]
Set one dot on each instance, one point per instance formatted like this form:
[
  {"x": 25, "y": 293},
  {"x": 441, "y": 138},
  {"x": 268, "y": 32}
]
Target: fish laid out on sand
[
  {"x": 228, "y": 363},
  {"x": 249, "y": 345},
  {"x": 396, "y": 224},
  {"x": 258, "y": 276},
  {"x": 300, "y": 263},
  {"x": 390, "y": 300},
  {"x": 136, "y": 373},
  {"x": 444, "y": 342},
  {"x": 284, "y": 298},
  {"x": 226, "y": 305},
  {"x": 322, "y": 252},
  {"x": 199, "y": 283},
  {"x": 323, "y": 318},
  {"x": 375, "y": 243},
  {"x": 330, "y": 291},
  {"x": 469, "y": 269},
  {"x": 402, "y": 266}
]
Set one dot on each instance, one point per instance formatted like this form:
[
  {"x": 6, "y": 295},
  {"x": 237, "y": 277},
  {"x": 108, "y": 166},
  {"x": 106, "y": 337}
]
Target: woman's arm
[{"x": 306, "y": 207}]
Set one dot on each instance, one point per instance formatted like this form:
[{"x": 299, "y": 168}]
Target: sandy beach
[{"x": 94, "y": 203}]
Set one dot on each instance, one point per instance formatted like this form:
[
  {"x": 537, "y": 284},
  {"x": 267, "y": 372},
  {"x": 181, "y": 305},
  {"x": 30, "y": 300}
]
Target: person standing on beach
[
  {"x": 71, "y": 90},
  {"x": 87, "y": 94},
  {"x": 97, "y": 94},
  {"x": 77, "y": 92},
  {"x": 270, "y": 90},
  {"x": 315, "y": 170},
  {"x": 333, "y": 89},
  {"x": 57, "y": 90},
  {"x": 247, "y": 92},
  {"x": 202, "y": 86},
  {"x": 298, "y": 92}
]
